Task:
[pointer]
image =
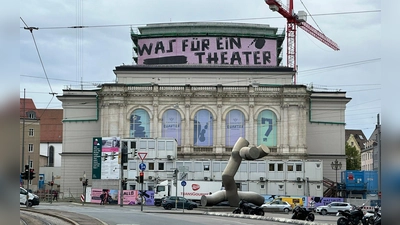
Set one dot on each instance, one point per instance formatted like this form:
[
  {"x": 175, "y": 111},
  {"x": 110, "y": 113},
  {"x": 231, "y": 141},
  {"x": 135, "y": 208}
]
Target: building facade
[
  {"x": 220, "y": 93},
  {"x": 30, "y": 141}
]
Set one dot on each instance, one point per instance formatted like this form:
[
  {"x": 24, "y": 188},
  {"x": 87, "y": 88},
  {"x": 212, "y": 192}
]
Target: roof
[
  {"x": 51, "y": 125},
  {"x": 358, "y": 135},
  {"x": 28, "y": 104}
]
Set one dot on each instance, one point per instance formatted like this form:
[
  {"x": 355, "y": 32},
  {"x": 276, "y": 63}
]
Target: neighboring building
[
  {"x": 241, "y": 91},
  {"x": 355, "y": 138},
  {"x": 30, "y": 140},
  {"x": 51, "y": 128}
]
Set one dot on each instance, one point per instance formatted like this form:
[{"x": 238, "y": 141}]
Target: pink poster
[{"x": 208, "y": 50}]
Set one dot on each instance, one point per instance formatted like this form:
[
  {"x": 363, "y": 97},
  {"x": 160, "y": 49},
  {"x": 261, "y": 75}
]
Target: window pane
[
  {"x": 235, "y": 127},
  {"x": 160, "y": 166},
  {"x": 216, "y": 166},
  {"x": 140, "y": 124},
  {"x": 290, "y": 167},
  {"x": 266, "y": 128},
  {"x": 206, "y": 167},
  {"x": 203, "y": 128},
  {"x": 298, "y": 167},
  {"x": 280, "y": 167},
  {"x": 271, "y": 167},
  {"x": 171, "y": 125},
  {"x": 261, "y": 167},
  {"x": 151, "y": 166}
]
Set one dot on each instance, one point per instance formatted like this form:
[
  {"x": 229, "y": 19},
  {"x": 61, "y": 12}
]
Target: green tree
[{"x": 353, "y": 161}]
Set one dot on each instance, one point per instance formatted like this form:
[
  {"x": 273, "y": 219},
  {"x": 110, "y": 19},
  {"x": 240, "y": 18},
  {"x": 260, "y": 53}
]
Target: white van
[{"x": 32, "y": 198}]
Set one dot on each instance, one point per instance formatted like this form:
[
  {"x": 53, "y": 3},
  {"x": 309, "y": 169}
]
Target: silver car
[
  {"x": 334, "y": 207},
  {"x": 277, "y": 205}
]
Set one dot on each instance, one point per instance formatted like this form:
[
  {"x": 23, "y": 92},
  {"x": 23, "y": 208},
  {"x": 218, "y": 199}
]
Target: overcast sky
[{"x": 87, "y": 56}]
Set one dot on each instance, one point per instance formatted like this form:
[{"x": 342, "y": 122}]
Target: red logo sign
[{"x": 195, "y": 187}]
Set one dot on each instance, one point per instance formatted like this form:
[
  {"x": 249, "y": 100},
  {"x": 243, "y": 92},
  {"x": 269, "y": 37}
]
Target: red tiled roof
[
  {"x": 51, "y": 125},
  {"x": 29, "y": 106}
]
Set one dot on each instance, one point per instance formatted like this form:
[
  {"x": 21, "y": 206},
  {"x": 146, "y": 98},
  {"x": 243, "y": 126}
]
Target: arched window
[
  {"x": 266, "y": 128},
  {"x": 140, "y": 124},
  {"x": 203, "y": 128},
  {"x": 51, "y": 156},
  {"x": 171, "y": 125},
  {"x": 234, "y": 127}
]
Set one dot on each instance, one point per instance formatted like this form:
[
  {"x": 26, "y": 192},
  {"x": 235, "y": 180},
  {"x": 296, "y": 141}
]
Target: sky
[{"x": 56, "y": 56}]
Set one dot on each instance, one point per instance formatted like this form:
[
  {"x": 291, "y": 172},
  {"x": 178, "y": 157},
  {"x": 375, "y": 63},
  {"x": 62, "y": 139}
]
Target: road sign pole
[
  {"x": 141, "y": 196},
  {"x": 183, "y": 194}
]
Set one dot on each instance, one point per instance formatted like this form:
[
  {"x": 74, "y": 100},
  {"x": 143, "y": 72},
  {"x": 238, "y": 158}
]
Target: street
[{"x": 151, "y": 215}]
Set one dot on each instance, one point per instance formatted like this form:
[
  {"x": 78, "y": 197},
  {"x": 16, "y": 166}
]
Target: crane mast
[{"x": 294, "y": 20}]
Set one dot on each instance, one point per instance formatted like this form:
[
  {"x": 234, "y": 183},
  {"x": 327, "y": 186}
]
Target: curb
[{"x": 266, "y": 218}]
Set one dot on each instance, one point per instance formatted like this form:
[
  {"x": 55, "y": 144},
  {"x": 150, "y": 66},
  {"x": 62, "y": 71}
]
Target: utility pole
[
  {"x": 378, "y": 126},
  {"x": 84, "y": 187},
  {"x": 23, "y": 137},
  {"x": 29, "y": 180}
]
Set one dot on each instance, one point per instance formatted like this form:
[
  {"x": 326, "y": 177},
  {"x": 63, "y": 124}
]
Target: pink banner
[{"x": 208, "y": 50}]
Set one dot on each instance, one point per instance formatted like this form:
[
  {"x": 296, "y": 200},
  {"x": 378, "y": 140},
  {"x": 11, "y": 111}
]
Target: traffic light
[
  {"x": 124, "y": 152},
  {"x": 112, "y": 155},
  {"x": 105, "y": 157},
  {"x": 24, "y": 176},
  {"x": 85, "y": 182},
  {"x": 141, "y": 177},
  {"x": 135, "y": 153},
  {"x": 51, "y": 183},
  {"x": 31, "y": 174}
]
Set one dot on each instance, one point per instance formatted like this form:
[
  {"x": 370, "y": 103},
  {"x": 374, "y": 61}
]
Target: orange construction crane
[{"x": 294, "y": 20}]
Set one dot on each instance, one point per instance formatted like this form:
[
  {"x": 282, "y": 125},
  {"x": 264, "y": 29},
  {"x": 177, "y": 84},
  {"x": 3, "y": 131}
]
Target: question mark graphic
[{"x": 263, "y": 120}]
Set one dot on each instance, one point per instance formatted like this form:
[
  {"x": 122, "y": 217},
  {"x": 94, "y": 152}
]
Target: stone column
[
  {"x": 219, "y": 139},
  {"x": 285, "y": 128},
  {"x": 250, "y": 129},
  {"x": 187, "y": 131}
]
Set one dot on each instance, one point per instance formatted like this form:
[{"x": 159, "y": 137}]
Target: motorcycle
[
  {"x": 301, "y": 213},
  {"x": 373, "y": 217},
  {"x": 248, "y": 208},
  {"x": 377, "y": 218},
  {"x": 354, "y": 217}
]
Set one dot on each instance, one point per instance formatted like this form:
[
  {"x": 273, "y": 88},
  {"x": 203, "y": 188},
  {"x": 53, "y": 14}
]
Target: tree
[{"x": 353, "y": 161}]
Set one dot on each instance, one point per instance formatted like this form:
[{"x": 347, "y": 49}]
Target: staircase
[{"x": 330, "y": 188}]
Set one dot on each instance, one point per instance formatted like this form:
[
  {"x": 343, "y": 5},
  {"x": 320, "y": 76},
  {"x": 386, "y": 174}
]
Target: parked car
[
  {"x": 32, "y": 198},
  {"x": 277, "y": 205},
  {"x": 334, "y": 207},
  {"x": 169, "y": 203}
]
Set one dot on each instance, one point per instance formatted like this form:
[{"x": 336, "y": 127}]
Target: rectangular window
[
  {"x": 280, "y": 166},
  {"x": 30, "y": 147},
  {"x": 31, "y": 132},
  {"x": 299, "y": 186},
  {"x": 152, "y": 144},
  {"x": 160, "y": 166},
  {"x": 151, "y": 166},
  {"x": 271, "y": 167},
  {"x": 290, "y": 168},
  {"x": 298, "y": 167},
  {"x": 216, "y": 166},
  {"x": 261, "y": 167},
  {"x": 31, "y": 164},
  {"x": 206, "y": 167}
]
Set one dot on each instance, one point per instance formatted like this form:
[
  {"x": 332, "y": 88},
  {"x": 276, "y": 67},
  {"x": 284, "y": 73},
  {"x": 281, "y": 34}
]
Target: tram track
[{"x": 31, "y": 216}]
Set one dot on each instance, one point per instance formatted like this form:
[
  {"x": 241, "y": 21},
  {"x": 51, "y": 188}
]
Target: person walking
[
  {"x": 102, "y": 198},
  {"x": 55, "y": 195}
]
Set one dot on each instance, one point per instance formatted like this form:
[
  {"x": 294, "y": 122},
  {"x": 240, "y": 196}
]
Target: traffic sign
[
  {"x": 142, "y": 155},
  {"x": 142, "y": 166},
  {"x": 183, "y": 183}
]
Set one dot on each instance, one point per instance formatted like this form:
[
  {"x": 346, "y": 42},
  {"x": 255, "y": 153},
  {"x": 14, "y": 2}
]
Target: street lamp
[{"x": 336, "y": 166}]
